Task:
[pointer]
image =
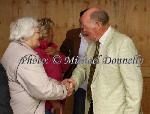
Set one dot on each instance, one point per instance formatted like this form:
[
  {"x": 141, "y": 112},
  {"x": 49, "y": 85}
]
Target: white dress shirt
[
  {"x": 81, "y": 54},
  {"x": 105, "y": 36}
]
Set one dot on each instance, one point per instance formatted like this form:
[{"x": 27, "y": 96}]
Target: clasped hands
[{"x": 70, "y": 86}]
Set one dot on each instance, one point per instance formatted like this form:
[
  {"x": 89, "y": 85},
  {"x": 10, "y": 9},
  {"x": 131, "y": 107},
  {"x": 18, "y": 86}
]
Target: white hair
[{"x": 22, "y": 28}]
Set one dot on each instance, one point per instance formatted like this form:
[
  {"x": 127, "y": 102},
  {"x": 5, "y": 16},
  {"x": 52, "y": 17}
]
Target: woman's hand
[{"x": 51, "y": 51}]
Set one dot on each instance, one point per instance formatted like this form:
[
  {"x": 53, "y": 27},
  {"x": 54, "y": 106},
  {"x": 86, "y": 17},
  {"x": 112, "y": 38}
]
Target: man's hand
[
  {"x": 56, "y": 105},
  {"x": 70, "y": 85},
  {"x": 51, "y": 51}
]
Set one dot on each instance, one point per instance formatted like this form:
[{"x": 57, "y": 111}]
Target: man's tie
[{"x": 92, "y": 70}]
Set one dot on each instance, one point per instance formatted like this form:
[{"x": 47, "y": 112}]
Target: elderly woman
[
  {"x": 28, "y": 82},
  {"x": 47, "y": 50}
]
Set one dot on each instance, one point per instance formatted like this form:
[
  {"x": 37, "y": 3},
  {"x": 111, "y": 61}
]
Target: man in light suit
[{"x": 115, "y": 87}]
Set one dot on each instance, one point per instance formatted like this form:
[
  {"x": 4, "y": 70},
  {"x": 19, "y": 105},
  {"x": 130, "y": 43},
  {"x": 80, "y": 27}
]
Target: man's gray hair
[
  {"x": 100, "y": 16},
  {"x": 22, "y": 28}
]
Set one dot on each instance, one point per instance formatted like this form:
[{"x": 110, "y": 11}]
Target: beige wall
[{"x": 131, "y": 17}]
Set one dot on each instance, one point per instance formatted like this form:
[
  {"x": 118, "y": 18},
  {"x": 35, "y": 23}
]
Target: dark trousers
[{"x": 79, "y": 101}]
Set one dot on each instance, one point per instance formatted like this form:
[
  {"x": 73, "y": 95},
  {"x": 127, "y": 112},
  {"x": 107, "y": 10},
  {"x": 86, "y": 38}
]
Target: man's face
[{"x": 89, "y": 28}]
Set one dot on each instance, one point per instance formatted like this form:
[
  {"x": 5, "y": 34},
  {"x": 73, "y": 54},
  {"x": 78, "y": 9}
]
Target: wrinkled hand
[
  {"x": 51, "y": 51},
  {"x": 70, "y": 85},
  {"x": 56, "y": 104}
]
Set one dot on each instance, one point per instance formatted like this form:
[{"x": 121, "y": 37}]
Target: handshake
[{"x": 70, "y": 86}]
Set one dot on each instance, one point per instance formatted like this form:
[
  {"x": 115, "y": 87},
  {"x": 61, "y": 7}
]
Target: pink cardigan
[{"x": 52, "y": 69}]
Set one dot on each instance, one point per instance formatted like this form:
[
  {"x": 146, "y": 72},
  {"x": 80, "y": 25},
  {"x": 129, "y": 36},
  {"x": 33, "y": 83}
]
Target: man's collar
[{"x": 105, "y": 36}]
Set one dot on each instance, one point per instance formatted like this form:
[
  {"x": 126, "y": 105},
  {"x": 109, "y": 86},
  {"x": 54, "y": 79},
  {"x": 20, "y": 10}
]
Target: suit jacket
[
  {"x": 29, "y": 85},
  {"x": 116, "y": 88},
  {"x": 70, "y": 47},
  {"x": 5, "y": 107}
]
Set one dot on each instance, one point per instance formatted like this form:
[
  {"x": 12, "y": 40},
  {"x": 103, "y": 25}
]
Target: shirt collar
[
  {"x": 105, "y": 36},
  {"x": 82, "y": 37}
]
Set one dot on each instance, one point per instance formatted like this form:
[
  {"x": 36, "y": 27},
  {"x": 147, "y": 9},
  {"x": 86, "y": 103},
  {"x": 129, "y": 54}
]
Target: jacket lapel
[
  {"x": 102, "y": 53},
  {"x": 77, "y": 44},
  {"x": 77, "y": 41}
]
